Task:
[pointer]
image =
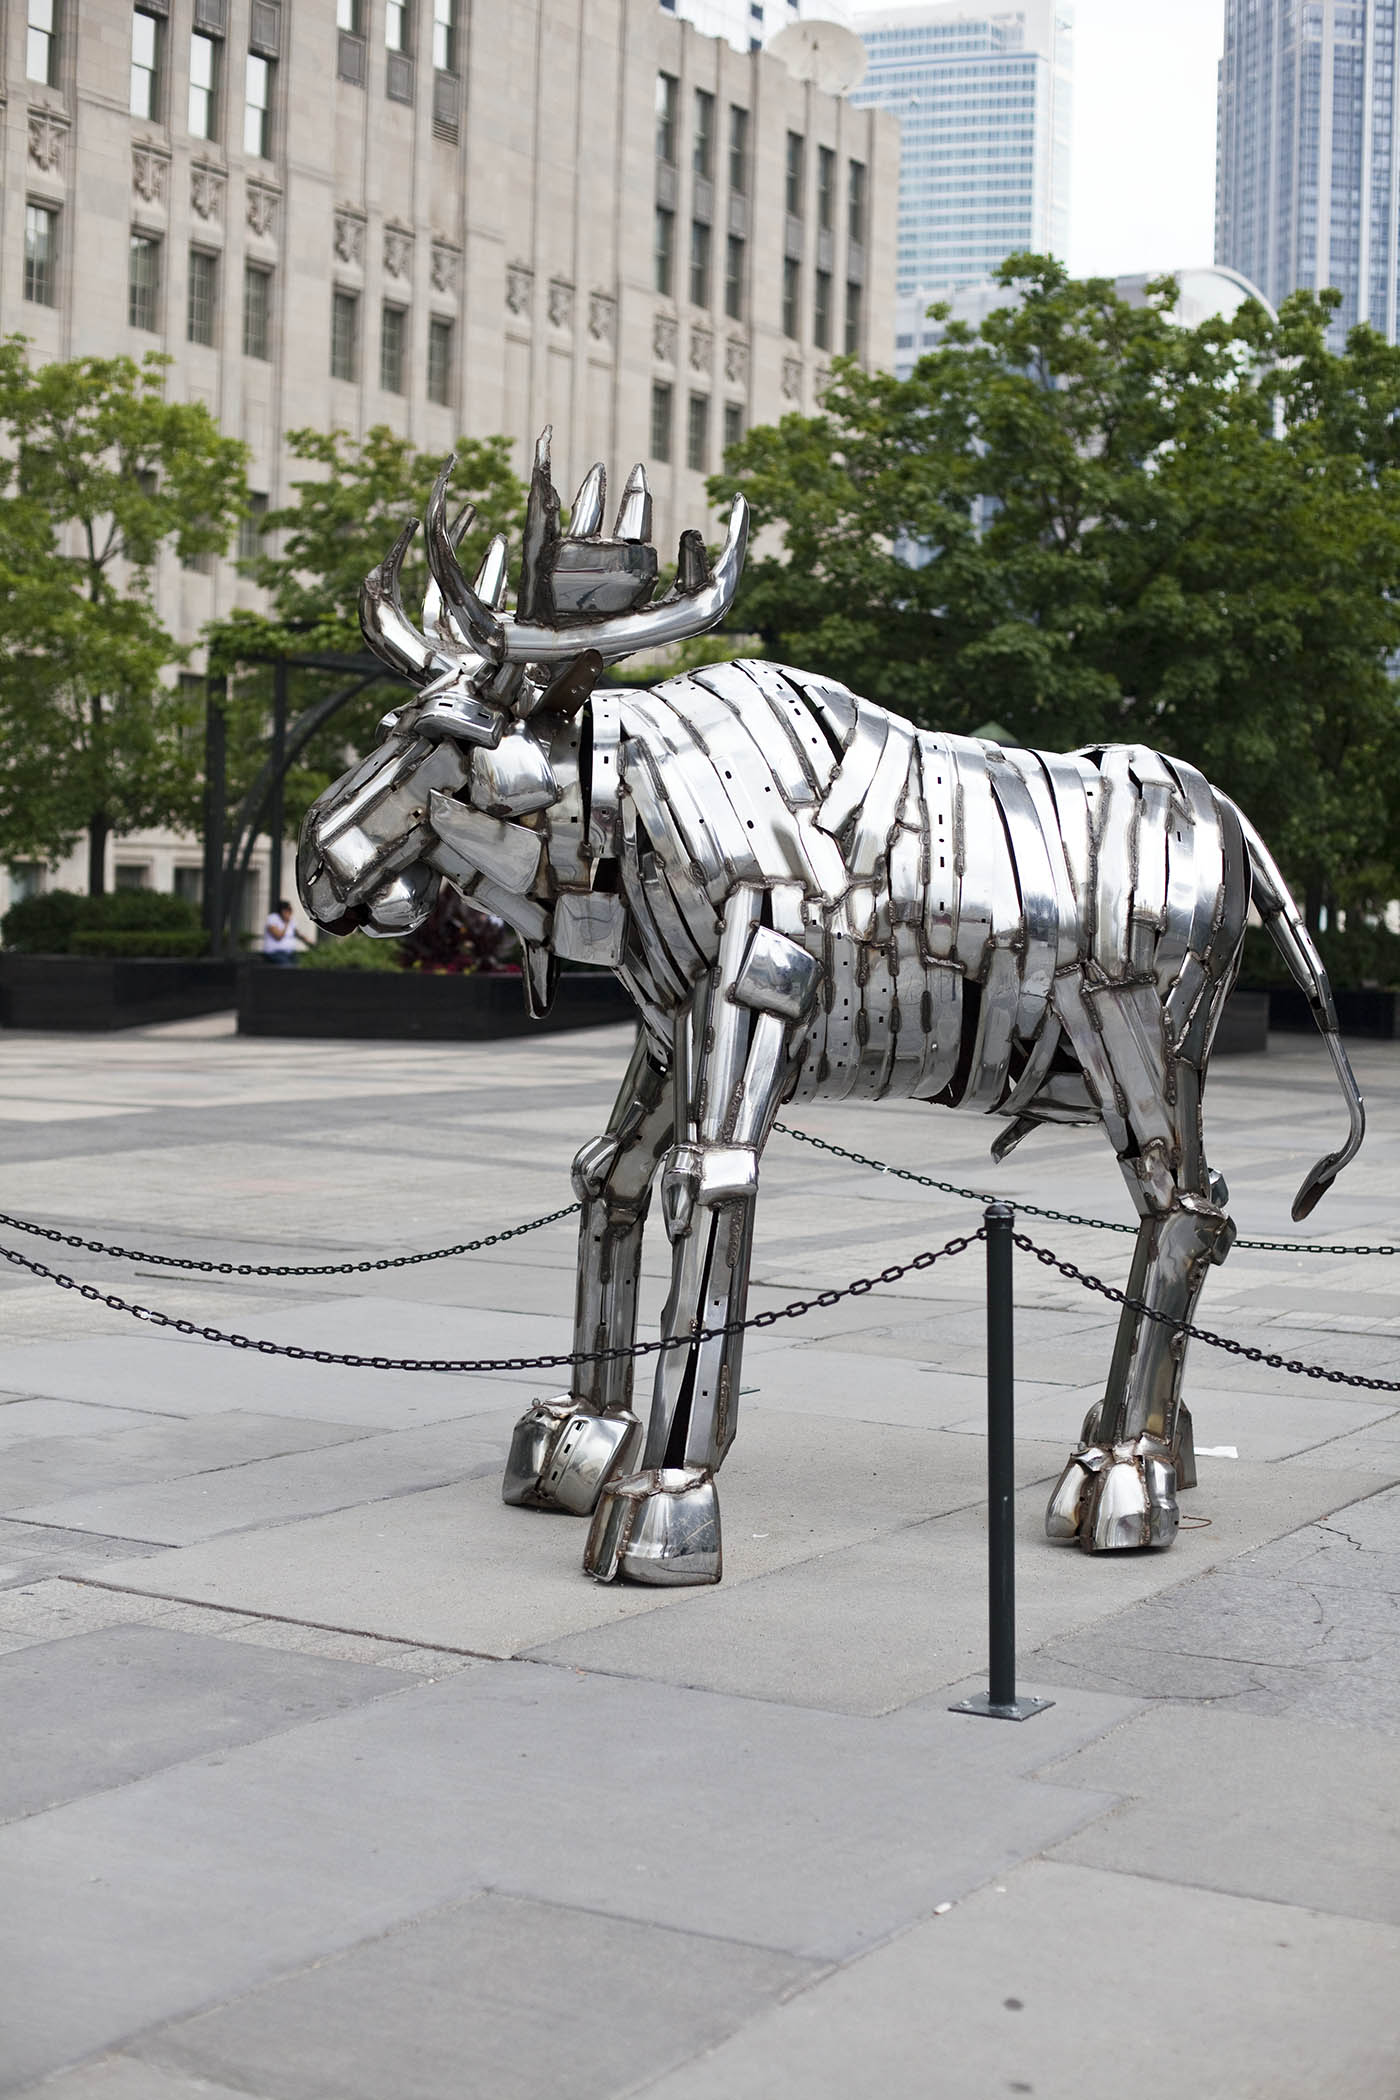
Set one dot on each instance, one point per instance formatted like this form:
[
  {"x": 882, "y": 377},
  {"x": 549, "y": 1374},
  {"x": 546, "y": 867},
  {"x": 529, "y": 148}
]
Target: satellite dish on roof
[{"x": 831, "y": 57}]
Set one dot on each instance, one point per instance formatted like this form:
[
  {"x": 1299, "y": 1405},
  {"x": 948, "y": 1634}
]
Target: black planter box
[
  {"x": 97, "y": 992},
  {"x": 1244, "y": 1025},
  {"x": 1363, "y": 1013},
  {"x": 401, "y": 1003}
]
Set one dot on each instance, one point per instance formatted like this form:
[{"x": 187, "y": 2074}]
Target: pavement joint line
[{"x": 277, "y": 1618}]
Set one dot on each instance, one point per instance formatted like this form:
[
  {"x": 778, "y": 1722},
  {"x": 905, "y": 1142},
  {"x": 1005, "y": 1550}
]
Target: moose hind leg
[
  {"x": 1119, "y": 1489},
  {"x": 564, "y": 1450}
]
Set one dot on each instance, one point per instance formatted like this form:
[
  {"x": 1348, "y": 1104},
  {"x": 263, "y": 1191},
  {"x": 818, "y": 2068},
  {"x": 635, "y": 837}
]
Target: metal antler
[{"x": 384, "y": 623}]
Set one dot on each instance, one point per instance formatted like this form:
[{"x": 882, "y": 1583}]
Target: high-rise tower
[
  {"x": 1306, "y": 192},
  {"x": 983, "y": 95}
]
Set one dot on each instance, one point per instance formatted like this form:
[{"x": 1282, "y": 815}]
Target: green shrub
[
  {"x": 118, "y": 941},
  {"x": 1354, "y": 956},
  {"x": 51, "y": 923},
  {"x": 357, "y": 951}
]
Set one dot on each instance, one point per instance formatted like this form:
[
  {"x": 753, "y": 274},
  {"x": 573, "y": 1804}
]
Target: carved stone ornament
[
  {"x": 149, "y": 174},
  {"x": 702, "y": 344},
  {"x": 47, "y": 135},
  {"x": 262, "y": 210},
  {"x": 520, "y": 287},
  {"x": 663, "y": 338},
  {"x": 792, "y": 378},
  {"x": 602, "y": 316},
  {"x": 206, "y": 192},
  {"x": 443, "y": 269},
  {"x": 736, "y": 361},
  {"x": 350, "y": 238},
  {"x": 398, "y": 252},
  {"x": 561, "y": 303}
]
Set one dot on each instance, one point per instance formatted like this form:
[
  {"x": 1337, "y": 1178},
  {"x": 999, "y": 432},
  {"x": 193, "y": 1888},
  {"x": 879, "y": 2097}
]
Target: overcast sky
[{"x": 1144, "y": 134}]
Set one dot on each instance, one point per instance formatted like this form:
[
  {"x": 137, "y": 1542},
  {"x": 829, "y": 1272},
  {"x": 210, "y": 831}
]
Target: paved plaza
[{"x": 328, "y": 1777}]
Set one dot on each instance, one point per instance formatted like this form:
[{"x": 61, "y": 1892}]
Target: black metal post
[
  {"x": 275, "y": 820},
  {"x": 215, "y": 798},
  {"x": 1000, "y": 1701}
]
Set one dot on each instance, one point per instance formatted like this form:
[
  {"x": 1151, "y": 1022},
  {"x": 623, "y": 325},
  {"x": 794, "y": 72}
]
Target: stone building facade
[{"x": 444, "y": 215}]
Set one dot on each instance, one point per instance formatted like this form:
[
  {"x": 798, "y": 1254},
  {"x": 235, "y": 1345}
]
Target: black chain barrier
[
  {"x": 1036, "y": 1210},
  {"x": 1245, "y": 1350},
  {"x": 795, "y": 1311}
]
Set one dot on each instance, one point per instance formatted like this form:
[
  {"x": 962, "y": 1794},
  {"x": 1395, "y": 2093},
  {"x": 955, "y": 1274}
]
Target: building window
[
  {"x": 854, "y": 319},
  {"x": 733, "y": 423},
  {"x": 445, "y": 35},
  {"x": 257, "y": 310},
  {"x": 143, "y": 281},
  {"x": 396, "y": 27},
  {"x": 826, "y": 187},
  {"x": 145, "y": 65},
  {"x": 855, "y": 203},
  {"x": 738, "y": 150},
  {"x": 703, "y": 157},
  {"x": 440, "y": 361},
  {"x": 697, "y": 433},
  {"x": 665, "y": 250},
  {"x": 204, "y": 84},
  {"x": 257, "y": 107},
  {"x": 699, "y": 263},
  {"x": 189, "y": 883},
  {"x": 821, "y": 309},
  {"x": 348, "y": 18},
  {"x": 660, "y": 420},
  {"x": 201, "y": 306},
  {"x": 41, "y": 49},
  {"x": 40, "y": 255},
  {"x": 792, "y": 287},
  {"x": 734, "y": 259},
  {"x": 250, "y": 529},
  {"x": 132, "y": 875},
  {"x": 667, "y": 90},
  {"x": 393, "y": 327},
  {"x": 26, "y": 880},
  {"x": 796, "y": 157},
  {"x": 345, "y": 335}
]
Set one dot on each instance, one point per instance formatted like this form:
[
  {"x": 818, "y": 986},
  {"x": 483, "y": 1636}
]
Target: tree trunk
[{"x": 99, "y": 831}]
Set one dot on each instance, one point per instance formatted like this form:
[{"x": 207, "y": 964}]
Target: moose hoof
[
  {"x": 659, "y": 1527},
  {"x": 561, "y": 1455},
  {"x": 1111, "y": 1498}
]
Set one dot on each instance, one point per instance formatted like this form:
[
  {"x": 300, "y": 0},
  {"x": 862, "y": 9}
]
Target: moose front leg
[
  {"x": 563, "y": 1450},
  {"x": 734, "y": 1054}
]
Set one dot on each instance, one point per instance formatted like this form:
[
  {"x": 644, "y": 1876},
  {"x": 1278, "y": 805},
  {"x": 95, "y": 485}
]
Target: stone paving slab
[
  {"x": 885, "y": 1620},
  {"x": 31, "y": 1552},
  {"x": 25, "y": 1420},
  {"x": 126, "y": 2078},
  {"x": 358, "y": 1469},
  {"x": 455, "y": 1566},
  {"x": 1265, "y": 1425},
  {"x": 805, "y": 1834},
  {"x": 469, "y": 1999},
  {"x": 1231, "y": 1801},
  {"x": 43, "y": 1468},
  {"x": 1225, "y": 1996},
  {"x": 103, "y": 1708}
]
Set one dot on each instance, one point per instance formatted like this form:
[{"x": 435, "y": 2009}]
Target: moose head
[{"x": 466, "y": 774}]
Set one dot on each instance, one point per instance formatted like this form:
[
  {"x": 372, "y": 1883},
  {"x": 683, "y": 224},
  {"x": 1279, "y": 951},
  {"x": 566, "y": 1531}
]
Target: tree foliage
[
  {"x": 1086, "y": 522},
  {"x": 100, "y": 474}
]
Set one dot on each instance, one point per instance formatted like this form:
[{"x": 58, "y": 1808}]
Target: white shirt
[{"x": 279, "y": 939}]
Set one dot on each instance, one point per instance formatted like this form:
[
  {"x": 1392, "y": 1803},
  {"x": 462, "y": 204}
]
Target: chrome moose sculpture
[{"x": 806, "y": 897}]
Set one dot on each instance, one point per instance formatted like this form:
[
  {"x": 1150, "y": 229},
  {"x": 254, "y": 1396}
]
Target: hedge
[{"x": 62, "y": 922}]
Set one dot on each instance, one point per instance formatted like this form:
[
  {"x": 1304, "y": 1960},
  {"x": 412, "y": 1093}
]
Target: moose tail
[{"x": 1295, "y": 944}]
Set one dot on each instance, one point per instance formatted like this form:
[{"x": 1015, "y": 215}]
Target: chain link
[
  {"x": 1036, "y": 1210},
  {"x": 1231, "y": 1347},
  {"x": 267, "y": 1268},
  {"x": 861, "y": 1286}
]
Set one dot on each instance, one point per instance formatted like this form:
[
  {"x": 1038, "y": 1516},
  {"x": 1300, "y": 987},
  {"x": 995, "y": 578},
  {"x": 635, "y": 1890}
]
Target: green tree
[
  {"x": 100, "y": 473},
  {"x": 1086, "y": 522},
  {"x": 349, "y": 510}
]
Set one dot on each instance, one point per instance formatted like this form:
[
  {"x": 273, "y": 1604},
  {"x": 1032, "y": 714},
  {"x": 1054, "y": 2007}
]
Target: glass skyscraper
[
  {"x": 983, "y": 95},
  {"x": 1306, "y": 191}
]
